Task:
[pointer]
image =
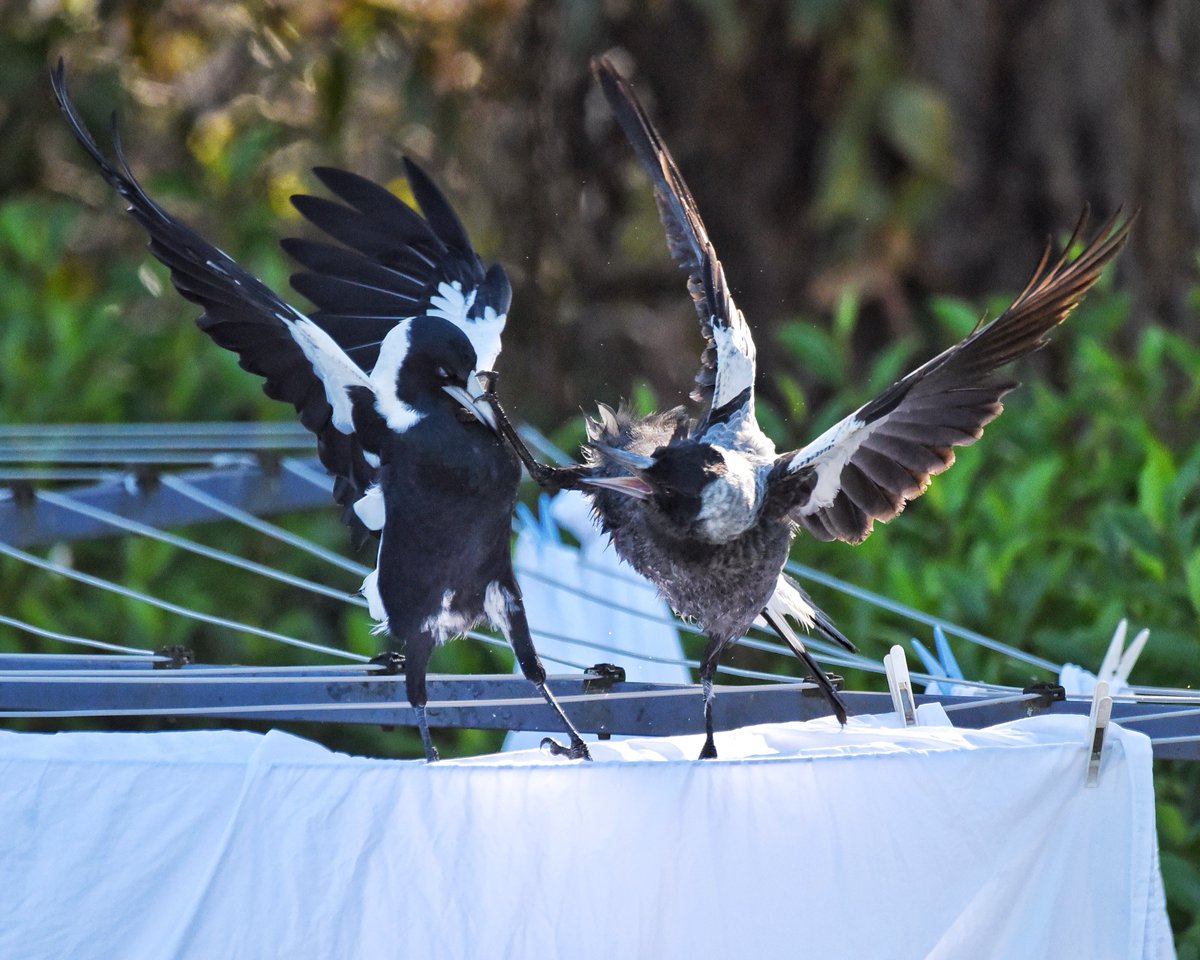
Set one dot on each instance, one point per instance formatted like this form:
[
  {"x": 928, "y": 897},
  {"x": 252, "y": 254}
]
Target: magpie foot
[
  {"x": 709, "y": 750},
  {"x": 390, "y": 662},
  {"x": 576, "y": 751}
]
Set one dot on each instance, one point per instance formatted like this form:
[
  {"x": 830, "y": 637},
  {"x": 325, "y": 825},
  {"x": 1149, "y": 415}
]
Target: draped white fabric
[{"x": 802, "y": 841}]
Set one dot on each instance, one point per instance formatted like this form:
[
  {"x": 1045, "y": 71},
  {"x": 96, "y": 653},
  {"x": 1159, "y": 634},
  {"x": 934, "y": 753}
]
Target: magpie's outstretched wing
[
  {"x": 867, "y": 467},
  {"x": 395, "y": 264},
  {"x": 297, "y": 360},
  {"x": 726, "y": 378}
]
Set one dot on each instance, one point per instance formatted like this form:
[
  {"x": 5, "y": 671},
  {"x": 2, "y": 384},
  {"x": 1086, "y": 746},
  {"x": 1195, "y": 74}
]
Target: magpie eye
[{"x": 443, "y": 373}]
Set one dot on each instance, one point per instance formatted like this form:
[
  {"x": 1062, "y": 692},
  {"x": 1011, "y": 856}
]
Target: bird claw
[
  {"x": 708, "y": 751},
  {"x": 576, "y": 751}
]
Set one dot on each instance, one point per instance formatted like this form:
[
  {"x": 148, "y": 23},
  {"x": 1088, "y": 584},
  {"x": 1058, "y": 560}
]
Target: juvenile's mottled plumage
[{"x": 707, "y": 509}]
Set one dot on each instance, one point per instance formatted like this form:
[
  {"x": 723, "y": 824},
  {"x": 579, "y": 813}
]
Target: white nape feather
[
  {"x": 337, "y": 372},
  {"x": 735, "y": 362},
  {"x": 452, "y": 304},
  {"x": 370, "y": 508},
  {"x": 398, "y": 414},
  {"x": 729, "y": 505}
]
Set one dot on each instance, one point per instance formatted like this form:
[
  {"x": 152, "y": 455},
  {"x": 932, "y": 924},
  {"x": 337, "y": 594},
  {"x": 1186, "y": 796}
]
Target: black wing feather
[
  {"x": 392, "y": 262},
  {"x": 241, "y": 313},
  {"x": 886, "y": 452},
  {"x": 687, "y": 237}
]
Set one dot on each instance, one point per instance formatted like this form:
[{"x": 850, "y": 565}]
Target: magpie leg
[
  {"x": 431, "y": 753},
  {"x": 818, "y": 675},
  {"x": 544, "y": 475},
  {"x": 708, "y": 667},
  {"x": 515, "y": 627},
  {"x": 415, "y": 665},
  {"x": 709, "y": 750}
]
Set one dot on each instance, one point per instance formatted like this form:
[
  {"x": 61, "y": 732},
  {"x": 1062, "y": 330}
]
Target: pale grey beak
[
  {"x": 634, "y": 487},
  {"x": 480, "y": 409},
  {"x": 633, "y": 462}
]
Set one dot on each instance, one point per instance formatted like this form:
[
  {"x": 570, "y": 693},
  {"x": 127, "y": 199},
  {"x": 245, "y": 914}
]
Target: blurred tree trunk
[{"x": 1058, "y": 103}]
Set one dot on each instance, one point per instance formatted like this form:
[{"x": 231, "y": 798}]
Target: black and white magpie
[
  {"x": 707, "y": 509},
  {"x": 437, "y": 485}
]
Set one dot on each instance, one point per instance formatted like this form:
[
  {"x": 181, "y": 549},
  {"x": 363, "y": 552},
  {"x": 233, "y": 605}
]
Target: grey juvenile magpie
[
  {"x": 707, "y": 508},
  {"x": 414, "y": 449}
]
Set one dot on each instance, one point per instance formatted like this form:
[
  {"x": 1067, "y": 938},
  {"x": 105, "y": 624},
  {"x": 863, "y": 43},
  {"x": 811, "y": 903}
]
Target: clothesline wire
[
  {"x": 112, "y": 587},
  {"x": 213, "y": 458},
  {"x": 223, "y": 556},
  {"x": 51, "y": 447},
  {"x": 57, "y": 475},
  {"x": 265, "y": 527},
  {"x": 69, "y": 638},
  {"x": 220, "y": 432}
]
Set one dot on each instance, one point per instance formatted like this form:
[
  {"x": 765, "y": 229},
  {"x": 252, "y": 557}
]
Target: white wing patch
[
  {"x": 330, "y": 363},
  {"x": 452, "y": 304},
  {"x": 398, "y": 414},
  {"x": 484, "y": 335},
  {"x": 370, "y": 508},
  {"x": 829, "y": 454},
  {"x": 735, "y": 361}
]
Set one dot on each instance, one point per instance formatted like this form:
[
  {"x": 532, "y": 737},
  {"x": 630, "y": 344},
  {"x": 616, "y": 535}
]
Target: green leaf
[
  {"x": 845, "y": 316},
  {"x": 1172, "y": 826},
  {"x": 1191, "y": 572},
  {"x": 1154, "y": 483},
  {"x": 916, "y": 122},
  {"x": 958, "y": 317},
  {"x": 1182, "y": 882},
  {"x": 815, "y": 352}
]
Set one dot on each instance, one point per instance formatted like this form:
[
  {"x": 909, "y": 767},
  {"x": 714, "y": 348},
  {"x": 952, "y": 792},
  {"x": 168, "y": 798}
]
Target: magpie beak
[
  {"x": 478, "y": 407},
  {"x": 634, "y": 487}
]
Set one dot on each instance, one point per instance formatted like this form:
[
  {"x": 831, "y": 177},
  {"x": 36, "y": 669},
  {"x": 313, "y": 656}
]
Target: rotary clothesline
[{"x": 220, "y": 493}]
